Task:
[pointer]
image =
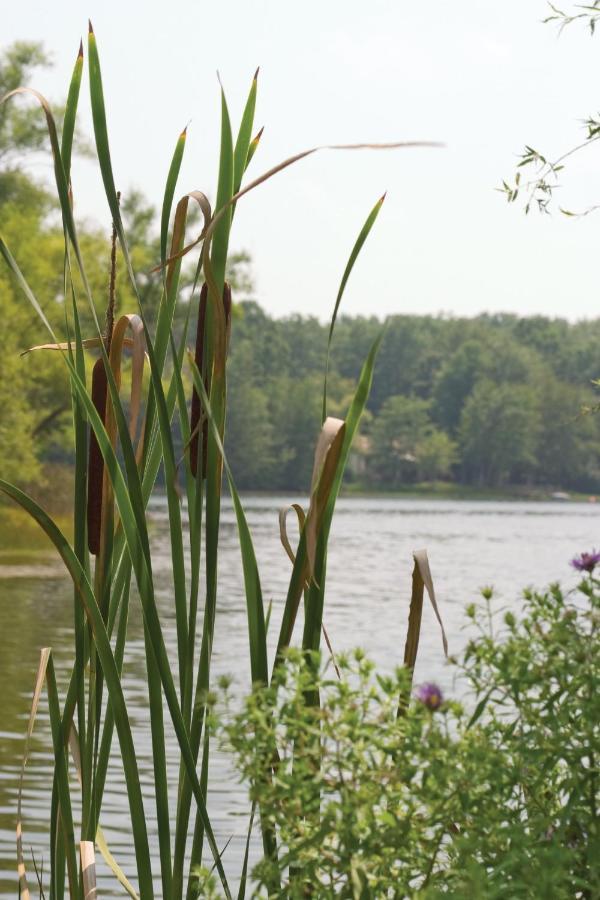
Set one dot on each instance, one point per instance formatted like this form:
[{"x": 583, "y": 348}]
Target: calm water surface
[{"x": 470, "y": 544}]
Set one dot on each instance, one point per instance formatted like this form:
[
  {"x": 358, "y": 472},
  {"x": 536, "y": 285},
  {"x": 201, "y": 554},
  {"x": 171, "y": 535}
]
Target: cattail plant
[{"x": 121, "y": 468}]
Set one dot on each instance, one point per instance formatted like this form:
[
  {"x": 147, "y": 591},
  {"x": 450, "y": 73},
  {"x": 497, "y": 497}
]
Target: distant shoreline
[{"x": 454, "y": 491}]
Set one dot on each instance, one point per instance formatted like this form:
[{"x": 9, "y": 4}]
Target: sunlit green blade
[
  {"x": 364, "y": 233},
  {"x": 314, "y": 608},
  {"x": 254, "y": 602},
  {"x": 62, "y": 778},
  {"x": 214, "y": 271},
  {"x": 242, "y": 144},
  {"x": 257, "y": 635},
  {"x": 71, "y": 114},
  {"x": 298, "y": 577},
  {"x": 170, "y": 193},
  {"x": 220, "y": 240},
  {"x": 102, "y": 146},
  {"x": 253, "y": 147}
]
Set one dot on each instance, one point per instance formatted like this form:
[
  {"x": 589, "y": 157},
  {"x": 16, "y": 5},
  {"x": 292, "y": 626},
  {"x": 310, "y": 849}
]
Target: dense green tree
[
  {"x": 400, "y": 427},
  {"x": 436, "y": 455},
  {"x": 454, "y": 382},
  {"x": 498, "y": 433}
]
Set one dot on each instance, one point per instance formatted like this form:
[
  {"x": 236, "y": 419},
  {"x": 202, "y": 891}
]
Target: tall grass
[{"x": 119, "y": 447}]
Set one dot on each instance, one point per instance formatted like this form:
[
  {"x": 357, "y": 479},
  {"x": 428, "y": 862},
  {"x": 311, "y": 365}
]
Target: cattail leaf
[
  {"x": 298, "y": 578},
  {"x": 363, "y": 235},
  {"x": 283, "y": 536},
  {"x": 95, "y": 475},
  {"x": 170, "y": 186},
  {"x": 86, "y": 343},
  {"x": 196, "y": 426},
  {"x": 254, "y": 600},
  {"x": 103, "y": 148},
  {"x": 422, "y": 566},
  {"x": 242, "y": 144},
  {"x": 71, "y": 113},
  {"x": 257, "y": 636},
  {"x": 316, "y": 594},
  {"x": 220, "y": 241},
  {"x": 254, "y": 146},
  {"x": 59, "y": 741},
  {"x": 35, "y": 702}
]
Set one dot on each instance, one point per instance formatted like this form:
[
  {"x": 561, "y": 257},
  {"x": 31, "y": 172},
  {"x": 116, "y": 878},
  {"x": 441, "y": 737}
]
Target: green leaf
[{"x": 360, "y": 240}]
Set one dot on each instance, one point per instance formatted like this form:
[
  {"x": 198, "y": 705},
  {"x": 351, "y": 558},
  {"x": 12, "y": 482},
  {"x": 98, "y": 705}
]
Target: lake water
[{"x": 470, "y": 544}]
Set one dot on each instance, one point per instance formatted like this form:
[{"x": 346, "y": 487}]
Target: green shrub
[{"x": 495, "y": 796}]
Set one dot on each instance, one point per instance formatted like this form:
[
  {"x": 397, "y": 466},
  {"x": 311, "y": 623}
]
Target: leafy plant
[
  {"x": 495, "y": 796},
  {"x": 119, "y": 446}
]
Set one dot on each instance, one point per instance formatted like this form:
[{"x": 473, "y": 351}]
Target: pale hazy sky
[{"x": 483, "y": 77}]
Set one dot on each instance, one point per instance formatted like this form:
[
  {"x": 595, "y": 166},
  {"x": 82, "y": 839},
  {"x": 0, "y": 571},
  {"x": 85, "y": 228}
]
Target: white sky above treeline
[{"x": 485, "y": 78}]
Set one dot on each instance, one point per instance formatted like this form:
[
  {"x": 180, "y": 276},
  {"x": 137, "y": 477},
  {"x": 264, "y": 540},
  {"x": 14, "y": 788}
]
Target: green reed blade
[
  {"x": 215, "y": 345},
  {"x": 220, "y": 241},
  {"x": 71, "y": 113},
  {"x": 104, "y": 158},
  {"x": 102, "y": 146},
  {"x": 257, "y": 635},
  {"x": 79, "y": 522},
  {"x": 259, "y": 666},
  {"x": 242, "y": 144},
  {"x": 314, "y": 608},
  {"x": 159, "y": 765},
  {"x": 253, "y": 146},
  {"x": 194, "y": 495},
  {"x": 298, "y": 577},
  {"x": 170, "y": 193},
  {"x": 62, "y": 778},
  {"x": 363, "y": 235},
  {"x": 194, "y": 489},
  {"x": 111, "y": 675},
  {"x": 107, "y": 733},
  {"x": 244, "y": 875}
]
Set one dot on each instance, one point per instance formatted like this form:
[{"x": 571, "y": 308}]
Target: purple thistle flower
[
  {"x": 430, "y": 695},
  {"x": 587, "y": 562}
]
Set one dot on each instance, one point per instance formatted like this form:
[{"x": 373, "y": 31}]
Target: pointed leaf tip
[
  {"x": 256, "y": 73},
  {"x": 80, "y": 54},
  {"x": 382, "y": 198},
  {"x": 259, "y": 134},
  {"x": 90, "y": 27}
]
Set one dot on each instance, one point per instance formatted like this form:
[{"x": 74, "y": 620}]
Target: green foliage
[
  {"x": 492, "y": 797},
  {"x": 498, "y": 432},
  {"x": 537, "y": 370}
]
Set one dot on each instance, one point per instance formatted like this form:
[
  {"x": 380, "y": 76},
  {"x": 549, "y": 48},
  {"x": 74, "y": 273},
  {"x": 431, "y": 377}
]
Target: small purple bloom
[
  {"x": 587, "y": 562},
  {"x": 430, "y": 695}
]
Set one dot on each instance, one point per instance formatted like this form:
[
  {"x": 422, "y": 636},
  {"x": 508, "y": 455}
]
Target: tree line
[{"x": 489, "y": 401}]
